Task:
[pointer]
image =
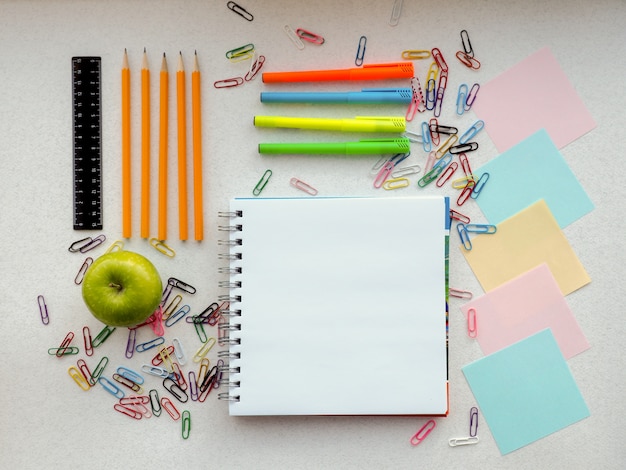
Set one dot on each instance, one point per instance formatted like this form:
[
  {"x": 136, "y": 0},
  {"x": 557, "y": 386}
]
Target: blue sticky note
[
  {"x": 525, "y": 391},
  {"x": 533, "y": 169}
]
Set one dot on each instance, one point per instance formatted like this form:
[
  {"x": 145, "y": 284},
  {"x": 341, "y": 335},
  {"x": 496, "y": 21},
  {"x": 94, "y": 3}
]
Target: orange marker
[{"x": 367, "y": 72}]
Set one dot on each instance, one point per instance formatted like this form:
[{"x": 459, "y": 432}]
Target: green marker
[{"x": 362, "y": 147}]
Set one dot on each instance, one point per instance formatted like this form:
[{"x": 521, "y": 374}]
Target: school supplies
[
  {"x": 346, "y": 295},
  {"x": 87, "y": 143},
  {"x": 362, "y": 147},
  {"x": 163, "y": 129},
  {"x": 358, "y": 124},
  {"x": 365, "y": 96},
  {"x": 182, "y": 149},
  {"x": 197, "y": 151},
  {"x": 367, "y": 72},
  {"x": 145, "y": 147},
  {"x": 126, "y": 167}
]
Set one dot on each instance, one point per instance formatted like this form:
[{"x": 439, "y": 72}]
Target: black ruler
[{"x": 86, "y": 110}]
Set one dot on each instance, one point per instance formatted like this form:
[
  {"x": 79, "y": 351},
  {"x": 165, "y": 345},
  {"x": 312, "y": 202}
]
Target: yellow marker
[{"x": 358, "y": 124}]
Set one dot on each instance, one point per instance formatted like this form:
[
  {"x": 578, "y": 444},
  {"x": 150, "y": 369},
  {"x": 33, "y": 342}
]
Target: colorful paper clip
[
  {"x": 472, "y": 131},
  {"x": 86, "y": 244},
  {"x": 302, "y": 186},
  {"x": 82, "y": 366},
  {"x": 438, "y": 56},
  {"x": 473, "y": 427},
  {"x": 168, "y": 406},
  {"x": 481, "y": 228},
  {"x": 186, "y": 424},
  {"x": 241, "y": 11},
  {"x": 79, "y": 378},
  {"x": 396, "y": 183},
  {"x": 455, "y": 215},
  {"x": 178, "y": 315},
  {"x": 464, "y": 235},
  {"x": 255, "y": 68},
  {"x": 162, "y": 247},
  {"x": 460, "y": 294},
  {"x": 360, "y": 52},
  {"x": 111, "y": 388},
  {"x": 130, "y": 343},
  {"x": 102, "y": 336},
  {"x": 228, "y": 82},
  {"x": 204, "y": 349},
  {"x": 171, "y": 306},
  {"x": 135, "y": 387},
  {"x": 445, "y": 147},
  {"x": 466, "y": 193},
  {"x": 434, "y": 135},
  {"x": 472, "y": 323},
  {"x": 462, "y": 441},
  {"x": 383, "y": 174},
  {"x": 175, "y": 389},
  {"x": 64, "y": 346},
  {"x": 240, "y": 53},
  {"x": 471, "y": 96},
  {"x": 396, "y": 11},
  {"x": 461, "y": 98},
  {"x": 83, "y": 269},
  {"x": 447, "y": 174},
  {"x": 405, "y": 171},
  {"x": 480, "y": 184},
  {"x": 117, "y": 245},
  {"x": 43, "y": 310},
  {"x": 153, "y": 343},
  {"x": 468, "y": 60},
  {"x": 465, "y": 165},
  {"x": 155, "y": 370},
  {"x": 178, "y": 284},
  {"x": 424, "y": 431},
  {"x": 97, "y": 372},
  {"x": 125, "y": 410},
  {"x": 291, "y": 34},
  {"x": 130, "y": 375},
  {"x": 411, "y": 54},
  {"x": 179, "y": 351},
  {"x": 309, "y": 36},
  {"x": 64, "y": 351},
  {"x": 462, "y": 148},
  {"x": 262, "y": 183}
]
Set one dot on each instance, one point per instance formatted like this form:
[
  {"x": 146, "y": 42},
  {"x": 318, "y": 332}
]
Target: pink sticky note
[
  {"x": 532, "y": 95},
  {"x": 522, "y": 307}
]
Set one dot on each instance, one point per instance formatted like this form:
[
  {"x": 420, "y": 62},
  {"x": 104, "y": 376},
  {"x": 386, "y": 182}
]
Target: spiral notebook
[{"x": 338, "y": 306}]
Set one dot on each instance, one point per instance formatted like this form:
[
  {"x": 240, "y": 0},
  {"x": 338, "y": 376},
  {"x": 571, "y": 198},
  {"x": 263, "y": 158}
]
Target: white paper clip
[
  {"x": 463, "y": 441},
  {"x": 293, "y": 36}
]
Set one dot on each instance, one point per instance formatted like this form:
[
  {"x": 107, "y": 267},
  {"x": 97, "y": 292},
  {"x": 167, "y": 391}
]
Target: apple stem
[{"x": 117, "y": 286}]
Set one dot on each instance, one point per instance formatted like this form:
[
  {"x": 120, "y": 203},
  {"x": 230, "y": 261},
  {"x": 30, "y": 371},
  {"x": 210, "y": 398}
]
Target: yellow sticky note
[{"x": 527, "y": 239}]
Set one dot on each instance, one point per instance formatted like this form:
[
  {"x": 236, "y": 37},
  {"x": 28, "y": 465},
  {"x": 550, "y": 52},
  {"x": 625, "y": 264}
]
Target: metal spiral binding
[{"x": 227, "y": 330}]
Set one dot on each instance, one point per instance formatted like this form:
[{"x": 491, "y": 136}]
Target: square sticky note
[
  {"x": 525, "y": 391},
  {"x": 533, "y": 94},
  {"x": 524, "y": 306},
  {"x": 531, "y": 170},
  {"x": 523, "y": 241}
]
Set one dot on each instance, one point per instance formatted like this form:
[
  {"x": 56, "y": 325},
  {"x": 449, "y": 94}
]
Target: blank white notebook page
[{"x": 342, "y": 306}]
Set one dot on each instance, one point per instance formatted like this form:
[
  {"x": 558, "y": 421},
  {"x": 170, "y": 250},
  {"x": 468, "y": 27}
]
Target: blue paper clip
[
  {"x": 153, "y": 343},
  {"x": 472, "y": 131},
  {"x": 464, "y": 235},
  {"x": 461, "y": 98},
  {"x": 481, "y": 228},
  {"x": 360, "y": 52},
  {"x": 426, "y": 140},
  {"x": 130, "y": 375},
  {"x": 111, "y": 387},
  {"x": 480, "y": 184}
]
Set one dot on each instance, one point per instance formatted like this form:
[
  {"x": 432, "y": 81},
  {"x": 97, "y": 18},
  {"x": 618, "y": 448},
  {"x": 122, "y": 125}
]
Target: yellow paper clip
[
  {"x": 445, "y": 147},
  {"x": 117, "y": 245},
  {"x": 460, "y": 183},
  {"x": 162, "y": 247},
  {"x": 204, "y": 349},
  {"x": 395, "y": 183},
  {"x": 79, "y": 378},
  {"x": 411, "y": 54},
  {"x": 169, "y": 309}
]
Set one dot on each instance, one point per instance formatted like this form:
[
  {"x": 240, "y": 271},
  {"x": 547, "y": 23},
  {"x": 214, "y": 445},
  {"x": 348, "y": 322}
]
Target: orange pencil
[
  {"x": 126, "y": 196},
  {"x": 163, "y": 126},
  {"x": 182, "y": 149},
  {"x": 197, "y": 151},
  {"x": 145, "y": 147}
]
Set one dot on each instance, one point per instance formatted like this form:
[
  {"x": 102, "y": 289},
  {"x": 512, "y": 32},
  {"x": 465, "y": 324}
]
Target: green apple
[{"x": 122, "y": 288}]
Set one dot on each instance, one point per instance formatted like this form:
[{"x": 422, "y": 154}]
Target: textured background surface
[{"x": 45, "y": 419}]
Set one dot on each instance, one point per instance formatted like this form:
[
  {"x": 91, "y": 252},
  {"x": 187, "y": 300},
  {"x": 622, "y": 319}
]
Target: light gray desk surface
[{"x": 46, "y": 421}]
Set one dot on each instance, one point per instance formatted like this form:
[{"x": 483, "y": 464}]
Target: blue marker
[{"x": 365, "y": 96}]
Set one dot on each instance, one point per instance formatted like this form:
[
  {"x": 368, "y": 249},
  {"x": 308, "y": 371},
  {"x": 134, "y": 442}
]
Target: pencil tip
[{"x": 144, "y": 49}]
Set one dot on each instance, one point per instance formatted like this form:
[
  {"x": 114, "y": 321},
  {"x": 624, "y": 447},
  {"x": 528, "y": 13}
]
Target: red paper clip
[
  {"x": 255, "y": 67},
  {"x": 168, "y": 406},
  {"x": 460, "y": 217},
  {"x": 447, "y": 174},
  {"x": 309, "y": 36},
  {"x": 424, "y": 431},
  {"x": 228, "y": 82},
  {"x": 64, "y": 345}
]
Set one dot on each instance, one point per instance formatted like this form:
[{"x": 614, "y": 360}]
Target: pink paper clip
[
  {"x": 255, "y": 67},
  {"x": 125, "y": 410},
  {"x": 383, "y": 174},
  {"x": 302, "y": 186},
  {"x": 168, "y": 406},
  {"x": 157, "y": 324},
  {"x": 424, "y": 431},
  {"x": 309, "y": 36},
  {"x": 472, "y": 325},
  {"x": 460, "y": 294}
]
